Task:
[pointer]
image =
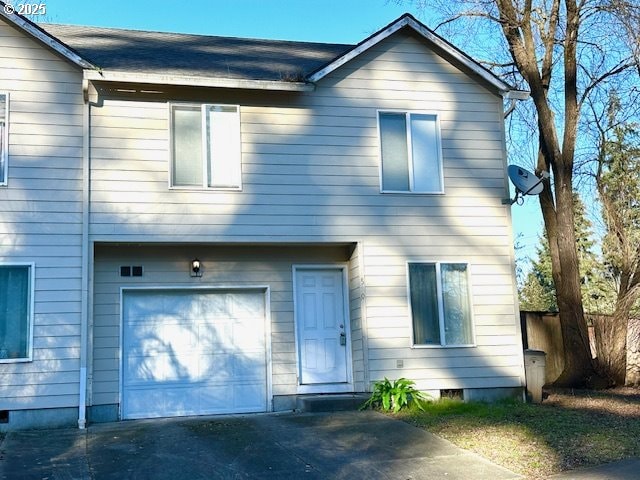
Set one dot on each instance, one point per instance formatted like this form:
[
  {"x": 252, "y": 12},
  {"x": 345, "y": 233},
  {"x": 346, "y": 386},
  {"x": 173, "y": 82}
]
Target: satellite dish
[{"x": 526, "y": 183}]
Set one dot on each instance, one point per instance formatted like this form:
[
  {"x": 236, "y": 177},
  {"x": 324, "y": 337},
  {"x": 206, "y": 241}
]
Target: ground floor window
[
  {"x": 15, "y": 312},
  {"x": 440, "y": 304}
]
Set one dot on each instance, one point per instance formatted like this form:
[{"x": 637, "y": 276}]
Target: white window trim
[
  {"x": 4, "y": 155},
  {"x": 438, "y": 264},
  {"x": 205, "y": 173},
  {"x": 408, "y": 114},
  {"x": 30, "y": 313}
]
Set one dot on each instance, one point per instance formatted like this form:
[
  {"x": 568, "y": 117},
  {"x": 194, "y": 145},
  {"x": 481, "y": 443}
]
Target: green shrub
[{"x": 395, "y": 395}]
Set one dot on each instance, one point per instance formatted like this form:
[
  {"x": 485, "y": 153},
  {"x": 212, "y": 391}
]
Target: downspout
[
  {"x": 84, "y": 315},
  {"x": 513, "y": 97}
]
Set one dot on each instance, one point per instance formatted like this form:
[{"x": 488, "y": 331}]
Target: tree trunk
[
  {"x": 633, "y": 353},
  {"x": 517, "y": 20},
  {"x": 611, "y": 346},
  {"x": 559, "y": 225}
]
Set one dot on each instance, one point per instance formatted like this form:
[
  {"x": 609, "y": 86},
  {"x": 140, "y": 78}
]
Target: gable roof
[
  {"x": 196, "y": 56},
  {"x": 111, "y": 54},
  {"x": 434, "y": 40}
]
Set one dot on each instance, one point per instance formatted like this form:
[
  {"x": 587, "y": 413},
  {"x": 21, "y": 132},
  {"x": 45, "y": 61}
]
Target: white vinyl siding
[
  {"x": 16, "y": 312},
  {"x": 311, "y": 175},
  {"x": 439, "y": 301},
  {"x": 410, "y": 158},
  {"x": 206, "y": 146},
  {"x": 4, "y": 136},
  {"x": 41, "y": 217}
]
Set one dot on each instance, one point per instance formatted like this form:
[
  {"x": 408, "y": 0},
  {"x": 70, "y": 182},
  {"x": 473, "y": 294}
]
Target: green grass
[{"x": 565, "y": 432}]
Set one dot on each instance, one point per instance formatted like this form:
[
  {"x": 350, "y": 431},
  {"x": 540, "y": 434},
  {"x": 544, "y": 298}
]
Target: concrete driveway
[{"x": 353, "y": 445}]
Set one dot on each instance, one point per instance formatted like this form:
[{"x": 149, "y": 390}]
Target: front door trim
[{"x": 325, "y": 387}]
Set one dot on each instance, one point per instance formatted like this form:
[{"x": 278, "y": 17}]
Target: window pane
[
  {"x": 457, "y": 311},
  {"x": 424, "y": 304},
  {"x": 187, "y": 146},
  {"x": 14, "y": 312},
  {"x": 393, "y": 140},
  {"x": 223, "y": 133},
  {"x": 3, "y": 133},
  {"x": 425, "y": 153}
]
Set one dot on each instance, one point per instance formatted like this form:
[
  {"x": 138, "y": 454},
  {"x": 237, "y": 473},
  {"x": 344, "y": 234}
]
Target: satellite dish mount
[{"x": 526, "y": 183}]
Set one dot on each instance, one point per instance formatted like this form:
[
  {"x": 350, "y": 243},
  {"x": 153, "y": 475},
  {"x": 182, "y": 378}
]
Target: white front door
[{"x": 321, "y": 326}]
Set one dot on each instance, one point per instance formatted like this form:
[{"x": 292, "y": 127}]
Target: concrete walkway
[
  {"x": 344, "y": 445},
  {"x": 622, "y": 470}
]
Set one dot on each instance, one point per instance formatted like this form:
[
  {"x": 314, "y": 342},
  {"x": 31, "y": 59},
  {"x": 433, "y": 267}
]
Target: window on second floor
[
  {"x": 205, "y": 146},
  {"x": 4, "y": 136},
  {"x": 410, "y": 152}
]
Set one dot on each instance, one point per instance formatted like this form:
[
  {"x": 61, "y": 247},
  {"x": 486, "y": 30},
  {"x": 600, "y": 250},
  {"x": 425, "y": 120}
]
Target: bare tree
[
  {"x": 563, "y": 51},
  {"x": 617, "y": 178}
]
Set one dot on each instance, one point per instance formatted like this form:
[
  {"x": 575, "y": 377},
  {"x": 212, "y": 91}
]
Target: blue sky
[
  {"x": 335, "y": 21},
  {"x": 340, "y": 21}
]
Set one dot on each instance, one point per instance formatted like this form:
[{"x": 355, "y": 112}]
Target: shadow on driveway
[{"x": 338, "y": 445}]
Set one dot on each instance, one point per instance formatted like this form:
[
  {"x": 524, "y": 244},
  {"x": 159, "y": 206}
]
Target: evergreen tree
[
  {"x": 538, "y": 292},
  {"x": 619, "y": 188},
  {"x": 618, "y": 181}
]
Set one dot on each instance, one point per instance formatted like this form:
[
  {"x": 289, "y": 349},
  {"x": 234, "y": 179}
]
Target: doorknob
[{"x": 343, "y": 338}]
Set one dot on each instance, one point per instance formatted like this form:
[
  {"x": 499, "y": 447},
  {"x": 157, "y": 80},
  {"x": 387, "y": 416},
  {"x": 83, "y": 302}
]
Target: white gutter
[
  {"x": 159, "y": 79},
  {"x": 514, "y": 96},
  {"x": 517, "y": 95},
  {"x": 84, "y": 315}
]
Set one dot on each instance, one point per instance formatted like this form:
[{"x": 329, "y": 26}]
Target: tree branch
[
  {"x": 468, "y": 14},
  {"x": 621, "y": 67}
]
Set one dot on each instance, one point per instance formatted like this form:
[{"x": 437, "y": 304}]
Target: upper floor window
[
  {"x": 4, "y": 136},
  {"x": 205, "y": 146},
  {"x": 411, "y": 153},
  {"x": 440, "y": 301},
  {"x": 16, "y": 304}
]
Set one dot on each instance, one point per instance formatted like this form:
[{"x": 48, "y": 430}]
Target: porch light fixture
[{"x": 196, "y": 268}]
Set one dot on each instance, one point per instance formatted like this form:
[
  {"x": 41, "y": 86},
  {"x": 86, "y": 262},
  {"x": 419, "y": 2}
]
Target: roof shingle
[{"x": 196, "y": 55}]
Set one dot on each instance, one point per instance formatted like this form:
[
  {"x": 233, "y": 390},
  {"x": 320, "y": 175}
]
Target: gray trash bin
[{"x": 534, "y": 369}]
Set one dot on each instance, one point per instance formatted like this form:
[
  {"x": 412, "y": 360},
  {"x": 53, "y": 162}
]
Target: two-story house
[{"x": 196, "y": 225}]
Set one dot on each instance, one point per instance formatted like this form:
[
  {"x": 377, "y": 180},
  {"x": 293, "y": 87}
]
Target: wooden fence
[{"x": 541, "y": 331}]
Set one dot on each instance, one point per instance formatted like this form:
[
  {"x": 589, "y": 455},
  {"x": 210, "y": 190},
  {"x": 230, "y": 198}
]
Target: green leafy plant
[{"x": 394, "y": 395}]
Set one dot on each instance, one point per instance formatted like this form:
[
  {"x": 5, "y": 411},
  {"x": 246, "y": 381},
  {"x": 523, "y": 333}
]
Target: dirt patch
[{"x": 622, "y": 401}]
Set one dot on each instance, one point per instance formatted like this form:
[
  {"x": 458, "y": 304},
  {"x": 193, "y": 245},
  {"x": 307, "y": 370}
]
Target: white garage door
[{"x": 193, "y": 352}]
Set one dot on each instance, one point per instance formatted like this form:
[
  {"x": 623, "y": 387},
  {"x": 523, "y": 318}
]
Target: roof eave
[
  {"x": 502, "y": 87},
  {"x": 33, "y": 30},
  {"x": 117, "y": 76}
]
